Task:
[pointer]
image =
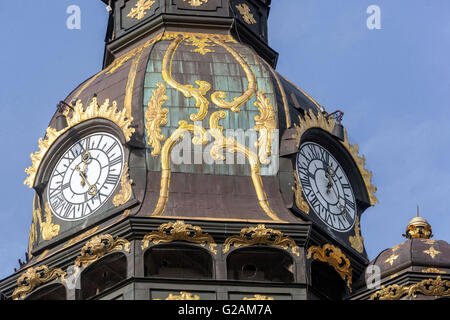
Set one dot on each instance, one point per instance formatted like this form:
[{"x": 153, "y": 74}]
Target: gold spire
[{"x": 418, "y": 228}]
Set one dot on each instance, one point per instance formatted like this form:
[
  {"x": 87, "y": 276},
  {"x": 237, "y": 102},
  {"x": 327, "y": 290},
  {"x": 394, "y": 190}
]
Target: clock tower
[{"x": 188, "y": 168}]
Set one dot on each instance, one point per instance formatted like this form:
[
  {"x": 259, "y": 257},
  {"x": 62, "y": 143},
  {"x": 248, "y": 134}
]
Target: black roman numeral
[
  {"x": 112, "y": 179},
  {"x": 115, "y": 161}
]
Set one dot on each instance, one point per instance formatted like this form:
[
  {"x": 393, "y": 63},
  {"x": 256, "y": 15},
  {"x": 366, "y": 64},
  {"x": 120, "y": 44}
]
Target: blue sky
[{"x": 393, "y": 85}]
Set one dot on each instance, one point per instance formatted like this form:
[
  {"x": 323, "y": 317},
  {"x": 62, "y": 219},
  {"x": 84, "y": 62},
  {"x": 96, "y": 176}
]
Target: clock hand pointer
[{"x": 92, "y": 189}]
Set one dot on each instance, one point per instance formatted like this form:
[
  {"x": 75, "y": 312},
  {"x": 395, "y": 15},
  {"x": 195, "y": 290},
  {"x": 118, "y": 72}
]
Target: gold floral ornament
[
  {"x": 182, "y": 296},
  {"x": 98, "y": 247},
  {"x": 265, "y": 124},
  {"x": 300, "y": 202},
  {"x": 261, "y": 235},
  {"x": 34, "y": 278},
  {"x": 258, "y": 297},
  {"x": 334, "y": 257},
  {"x": 391, "y": 259},
  {"x": 433, "y": 270},
  {"x": 126, "y": 191},
  {"x": 196, "y": 3},
  {"x": 320, "y": 121},
  {"x": 140, "y": 10},
  {"x": 246, "y": 13},
  {"x": 179, "y": 231},
  {"x": 75, "y": 117},
  {"x": 357, "y": 241},
  {"x": 429, "y": 287},
  {"x": 201, "y": 43},
  {"x": 155, "y": 117},
  {"x": 432, "y": 252}
]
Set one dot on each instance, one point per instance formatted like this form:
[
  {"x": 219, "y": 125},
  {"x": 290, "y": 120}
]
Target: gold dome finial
[{"x": 418, "y": 228}]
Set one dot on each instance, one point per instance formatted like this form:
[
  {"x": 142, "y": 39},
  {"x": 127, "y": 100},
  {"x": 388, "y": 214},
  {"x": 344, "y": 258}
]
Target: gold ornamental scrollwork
[
  {"x": 258, "y": 297},
  {"x": 433, "y": 270},
  {"x": 246, "y": 13},
  {"x": 155, "y": 117},
  {"x": 265, "y": 124},
  {"x": 34, "y": 278},
  {"x": 78, "y": 115},
  {"x": 357, "y": 241},
  {"x": 140, "y": 10},
  {"x": 126, "y": 191},
  {"x": 334, "y": 257},
  {"x": 300, "y": 201},
  {"x": 432, "y": 252},
  {"x": 320, "y": 121},
  {"x": 429, "y": 287},
  {"x": 196, "y": 3},
  {"x": 182, "y": 296},
  {"x": 98, "y": 247},
  {"x": 179, "y": 231},
  {"x": 261, "y": 235}
]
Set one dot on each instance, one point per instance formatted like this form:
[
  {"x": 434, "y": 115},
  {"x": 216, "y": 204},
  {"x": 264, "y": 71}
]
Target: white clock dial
[
  {"x": 85, "y": 176},
  {"x": 326, "y": 187}
]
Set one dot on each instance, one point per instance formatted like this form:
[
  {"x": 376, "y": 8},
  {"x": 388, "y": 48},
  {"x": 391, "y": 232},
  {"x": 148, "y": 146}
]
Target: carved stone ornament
[
  {"x": 126, "y": 191},
  {"x": 334, "y": 257},
  {"x": 261, "y": 235},
  {"x": 320, "y": 121},
  {"x": 182, "y": 296},
  {"x": 429, "y": 287},
  {"x": 34, "y": 278},
  {"x": 75, "y": 117},
  {"x": 98, "y": 247},
  {"x": 179, "y": 231}
]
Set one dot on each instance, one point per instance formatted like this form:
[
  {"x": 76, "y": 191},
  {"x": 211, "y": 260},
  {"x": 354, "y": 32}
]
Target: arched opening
[
  {"x": 103, "y": 275},
  {"x": 260, "y": 264},
  {"x": 326, "y": 281},
  {"x": 51, "y": 292},
  {"x": 178, "y": 261}
]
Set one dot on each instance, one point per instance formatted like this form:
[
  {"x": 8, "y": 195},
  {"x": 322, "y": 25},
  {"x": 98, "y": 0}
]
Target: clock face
[
  {"x": 326, "y": 187},
  {"x": 85, "y": 176}
]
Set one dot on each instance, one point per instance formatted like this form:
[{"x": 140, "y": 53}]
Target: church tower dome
[{"x": 188, "y": 157}]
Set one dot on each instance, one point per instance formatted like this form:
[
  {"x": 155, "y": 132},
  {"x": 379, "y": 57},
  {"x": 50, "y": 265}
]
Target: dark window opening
[
  {"x": 326, "y": 281},
  {"x": 52, "y": 292},
  {"x": 260, "y": 264},
  {"x": 178, "y": 261},
  {"x": 104, "y": 274}
]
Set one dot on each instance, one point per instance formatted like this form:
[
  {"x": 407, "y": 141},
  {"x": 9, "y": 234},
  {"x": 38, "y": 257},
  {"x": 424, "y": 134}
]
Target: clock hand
[
  {"x": 92, "y": 189},
  {"x": 330, "y": 174}
]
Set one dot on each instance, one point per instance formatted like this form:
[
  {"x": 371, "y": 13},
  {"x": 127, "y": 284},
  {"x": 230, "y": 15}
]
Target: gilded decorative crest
[
  {"x": 48, "y": 229},
  {"x": 75, "y": 117},
  {"x": 99, "y": 246},
  {"x": 196, "y": 3},
  {"x": 183, "y": 296},
  {"x": 246, "y": 13},
  {"x": 320, "y": 121},
  {"x": 258, "y": 297},
  {"x": 126, "y": 191},
  {"x": 391, "y": 259},
  {"x": 429, "y": 287},
  {"x": 300, "y": 202},
  {"x": 261, "y": 235},
  {"x": 433, "y": 270},
  {"x": 432, "y": 252},
  {"x": 357, "y": 241},
  {"x": 179, "y": 231},
  {"x": 155, "y": 117},
  {"x": 34, "y": 278},
  {"x": 141, "y": 8},
  {"x": 334, "y": 257}
]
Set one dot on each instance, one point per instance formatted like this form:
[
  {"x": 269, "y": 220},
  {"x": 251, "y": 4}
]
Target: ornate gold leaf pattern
[
  {"x": 141, "y": 8},
  {"x": 391, "y": 259},
  {"x": 312, "y": 121},
  {"x": 179, "y": 231},
  {"x": 432, "y": 252},
  {"x": 335, "y": 258},
  {"x": 258, "y": 297},
  {"x": 48, "y": 229},
  {"x": 433, "y": 270},
  {"x": 99, "y": 246},
  {"x": 265, "y": 124},
  {"x": 183, "y": 296},
  {"x": 300, "y": 202},
  {"x": 34, "y": 278},
  {"x": 155, "y": 117},
  {"x": 429, "y": 287},
  {"x": 357, "y": 241},
  {"x": 126, "y": 190},
  {"x": 246, "y": 13},
  {"x": 196, "y": 3},
  {"x": 79, "y": 115},
  {"x": 261, "y": 235}
]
